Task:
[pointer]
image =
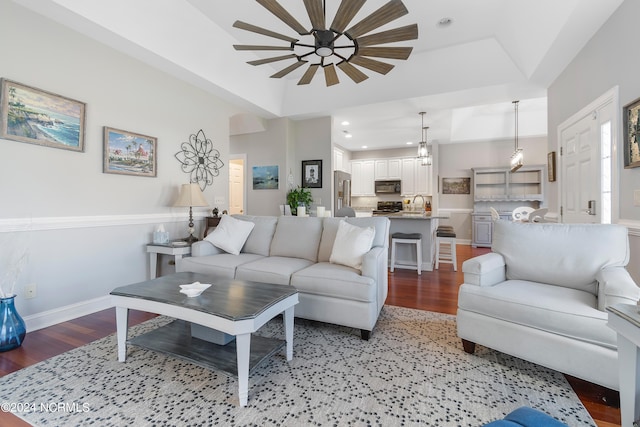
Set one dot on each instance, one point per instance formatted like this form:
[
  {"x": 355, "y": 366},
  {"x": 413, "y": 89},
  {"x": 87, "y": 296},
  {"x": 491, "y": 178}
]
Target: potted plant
[{"x": 299, "y": 197}]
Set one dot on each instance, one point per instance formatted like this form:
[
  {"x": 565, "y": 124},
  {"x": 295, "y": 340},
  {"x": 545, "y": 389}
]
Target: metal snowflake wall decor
[{"x": 200, "y": 160}]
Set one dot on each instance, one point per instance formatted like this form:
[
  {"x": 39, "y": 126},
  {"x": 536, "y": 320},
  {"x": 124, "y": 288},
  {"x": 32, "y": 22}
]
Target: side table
[
  {"x": 175, "y": 248},
  {"x": 625, "y": 320},
  {"x": 212, "y": 222}
]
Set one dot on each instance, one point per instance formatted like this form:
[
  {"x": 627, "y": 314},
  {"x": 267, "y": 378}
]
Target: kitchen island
[{"x": 414, "y": 222}]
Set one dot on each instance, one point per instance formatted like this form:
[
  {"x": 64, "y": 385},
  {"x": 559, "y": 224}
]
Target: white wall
[
  {"x": 85, "y": 230},
  {"x": 607, "y": 60}
]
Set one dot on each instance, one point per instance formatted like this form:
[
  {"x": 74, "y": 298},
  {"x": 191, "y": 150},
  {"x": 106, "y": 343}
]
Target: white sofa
[
  {"x": 541, "y": 295},
  {"x": 295, "y": 251}
]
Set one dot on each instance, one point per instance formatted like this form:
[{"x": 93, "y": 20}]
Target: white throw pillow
[
  {"x": 351, "y": 243},
  {"x": 230, "y": 234}
]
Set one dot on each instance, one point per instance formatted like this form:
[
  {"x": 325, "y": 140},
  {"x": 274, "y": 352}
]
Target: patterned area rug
[{"x": 412, "y": 371}]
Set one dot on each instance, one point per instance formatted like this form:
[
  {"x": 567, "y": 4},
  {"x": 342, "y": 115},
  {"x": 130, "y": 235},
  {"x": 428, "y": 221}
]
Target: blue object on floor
[{"x": 527, "y": 417}]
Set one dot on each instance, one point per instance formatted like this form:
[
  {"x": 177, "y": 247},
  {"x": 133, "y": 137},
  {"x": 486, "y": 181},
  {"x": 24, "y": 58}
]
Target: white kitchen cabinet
[
  {"x": 408, "y": 178},
  {"x": 338, "y": 160},
  {"x": 363, "y": 178},
  {"x": 388, "y": 169},
  {"x": 416, "y": 179},
  {"x": 499, "y": 184}
]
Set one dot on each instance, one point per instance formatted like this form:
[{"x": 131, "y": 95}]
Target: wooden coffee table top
[{"x": 226, "y": 298}]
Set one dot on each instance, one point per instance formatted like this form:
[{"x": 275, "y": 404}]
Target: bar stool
[
  {"x": 409, "y": 238},
  {"x": 445, "y": 235}
]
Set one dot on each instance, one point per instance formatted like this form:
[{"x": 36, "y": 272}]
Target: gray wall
[
  {"x": 286, "y": 143},
  {"x": 85, "y": 231},
  {"x": 607, "y": 60}
]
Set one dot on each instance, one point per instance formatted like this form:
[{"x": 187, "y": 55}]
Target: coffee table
[{"x": 236, "y": 308}]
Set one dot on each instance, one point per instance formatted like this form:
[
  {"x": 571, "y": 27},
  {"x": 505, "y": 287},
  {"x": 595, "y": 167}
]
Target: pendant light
[
  {"x": 423, "y": 148},
  {"x": 517, "y": 158}
]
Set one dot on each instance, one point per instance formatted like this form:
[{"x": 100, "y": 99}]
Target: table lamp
[{"x": 190, "y": 195}]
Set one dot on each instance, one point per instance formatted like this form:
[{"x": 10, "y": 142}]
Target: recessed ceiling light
[
  {"x": 364, "y": 146},
  {"x": 345, "y": 123},
  {"x": 409, "y": 143},
  {"x": 347, "y": 134},
  {"x": 445, "y": 22}
]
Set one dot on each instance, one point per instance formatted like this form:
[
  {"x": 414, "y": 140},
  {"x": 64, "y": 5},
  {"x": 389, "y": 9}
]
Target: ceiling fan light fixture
[{"x": 324, "y": 43}]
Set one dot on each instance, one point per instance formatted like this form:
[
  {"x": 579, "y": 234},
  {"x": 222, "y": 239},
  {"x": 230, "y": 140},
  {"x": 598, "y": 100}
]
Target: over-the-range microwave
[{"x": 388, "y": 187}]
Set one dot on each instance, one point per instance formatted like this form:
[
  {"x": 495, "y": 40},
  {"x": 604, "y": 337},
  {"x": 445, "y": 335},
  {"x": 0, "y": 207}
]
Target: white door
[
  {"x": 236, "y": 186},
  {"x": 587, "y": 171},
  {"x": 580, "y": 172}
]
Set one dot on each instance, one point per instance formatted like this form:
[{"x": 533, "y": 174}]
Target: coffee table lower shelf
[{"x": 174, "y": 339}]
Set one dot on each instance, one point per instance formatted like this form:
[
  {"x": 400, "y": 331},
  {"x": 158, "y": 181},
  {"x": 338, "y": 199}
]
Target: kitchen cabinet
[
  {"x": 500, "y": 184},
  {"x": 388, "y": 169},
  {"x": 482, "y": 228},
  {"x": 416, "y": 179},
  {"x": 338, "y": 160},
  {"x": 363, "y": 178}
]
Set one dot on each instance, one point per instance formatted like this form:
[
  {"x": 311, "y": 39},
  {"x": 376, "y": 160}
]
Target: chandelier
[
  {"x": 517, "y": 158},
  {"x": 423, "y": 148}
]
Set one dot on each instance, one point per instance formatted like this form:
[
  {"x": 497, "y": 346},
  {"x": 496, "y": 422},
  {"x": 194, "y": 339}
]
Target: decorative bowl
[{"x": 193, "y": 289}]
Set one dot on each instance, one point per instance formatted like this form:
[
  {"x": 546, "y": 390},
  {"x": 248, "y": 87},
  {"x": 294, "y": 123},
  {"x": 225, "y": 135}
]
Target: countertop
[{"x": 410, "y": 215}]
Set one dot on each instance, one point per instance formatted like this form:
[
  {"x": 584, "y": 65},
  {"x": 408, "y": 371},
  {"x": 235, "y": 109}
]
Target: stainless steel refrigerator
[{"x": 341, "y": 189}]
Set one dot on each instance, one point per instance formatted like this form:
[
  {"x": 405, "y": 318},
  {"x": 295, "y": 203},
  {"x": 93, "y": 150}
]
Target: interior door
[
  {"x": 581, "y": 172},
  {"x": 236, "y": 186}
]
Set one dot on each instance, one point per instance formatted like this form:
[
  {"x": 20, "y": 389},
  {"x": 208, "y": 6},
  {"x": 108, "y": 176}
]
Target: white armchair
[{"x": 541, "y": 296}]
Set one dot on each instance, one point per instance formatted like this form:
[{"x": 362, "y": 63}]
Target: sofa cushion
[
  {"x": 259, "y": 240},
  {"x": 565, "y": 311},
  {"x": 350, "y": 245},
  {"x": 220, "y": 265},
  {"x": 560, "y": 254},
  {"x": 273, "y": 269},
  {"x": 231, "y": 234},
  {"x": 336, "y": 281},
  {"x": 330, "y": 229},
  {"x": 297, "y": 237}
]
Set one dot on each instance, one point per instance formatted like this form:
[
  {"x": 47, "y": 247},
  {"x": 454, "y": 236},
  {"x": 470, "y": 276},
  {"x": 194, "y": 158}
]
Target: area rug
[{"x": 412, "y": 371}]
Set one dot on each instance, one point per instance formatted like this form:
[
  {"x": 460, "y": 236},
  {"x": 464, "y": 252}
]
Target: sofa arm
[
  {"x": 375, "y": 264},
  {"x": 204, "y": 248},
  {"x": 615, "y": 285},
  {"x": 484, "y": 270}
]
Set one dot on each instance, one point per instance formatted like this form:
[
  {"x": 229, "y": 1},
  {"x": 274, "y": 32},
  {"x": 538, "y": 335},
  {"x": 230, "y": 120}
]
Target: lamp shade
[{"x": 190, "y": 195}]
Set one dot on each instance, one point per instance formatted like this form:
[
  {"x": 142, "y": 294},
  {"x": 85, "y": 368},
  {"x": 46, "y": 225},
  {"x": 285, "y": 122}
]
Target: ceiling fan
[{"x": 349, "y": 47}]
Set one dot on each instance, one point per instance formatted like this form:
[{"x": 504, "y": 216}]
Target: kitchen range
[{"x": 385, "y": 208}]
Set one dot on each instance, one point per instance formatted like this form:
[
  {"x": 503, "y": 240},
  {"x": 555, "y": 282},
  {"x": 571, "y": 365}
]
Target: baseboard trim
[{"x": 66, "y": 313}]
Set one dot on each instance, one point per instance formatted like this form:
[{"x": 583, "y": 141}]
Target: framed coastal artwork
[
  {"x": 129, "y": 153},
  {"x": 265, "y": 177},
  {"x": 456, "y": 185},
  {"x": 631, "y": 118},
  {"x": 39, "y": 117},
  {"x": 312, "y": 173}
]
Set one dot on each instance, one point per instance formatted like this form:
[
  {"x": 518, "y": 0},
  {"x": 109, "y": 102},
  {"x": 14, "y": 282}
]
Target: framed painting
[
  {"x": 128, "y": 153},
  {"x": 312, "y": 173},
  {"x": 265, "y": 177},
  {"x": 456, "y": 185},
  {"x": 631, "y": 126},
  {"x": 39, "y": 117},
  {"x": 551, "y": 166}
]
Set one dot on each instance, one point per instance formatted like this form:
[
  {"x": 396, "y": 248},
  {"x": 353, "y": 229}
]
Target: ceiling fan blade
[
  {"x": 345, "y": 13},
  {"x": 263, "y": 31},
  {"x": 274, "y": 7},
  {"x": 258, "y": 47},
  {"x": 289, "y": 69},
  {"x": 386, "y": 52},
  {"x": 410, "y": 32},
  {"x": 274, "y": 59},
  {"x": 308, "y": 75},
  {"x": 387, "y": 13},
  {"x": 315, "y": 10},
  {"x": 330, "y": 75},
  {"x": 351, "y": 71},
  {"x": 372, "y": 64}
]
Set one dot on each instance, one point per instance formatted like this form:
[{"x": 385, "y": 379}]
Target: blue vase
[{"x": 12, "y": 327}]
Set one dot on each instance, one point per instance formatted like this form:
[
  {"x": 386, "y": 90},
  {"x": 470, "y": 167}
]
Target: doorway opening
[{"x": 237, "y": 178}]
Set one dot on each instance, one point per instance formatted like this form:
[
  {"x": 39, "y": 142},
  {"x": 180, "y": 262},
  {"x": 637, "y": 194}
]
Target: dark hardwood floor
[{"x": 433, "y": 291}]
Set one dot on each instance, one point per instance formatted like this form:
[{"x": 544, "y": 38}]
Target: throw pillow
[
  {"x": 351, "y": 243},
  {"x": 230, "y": 234}
]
